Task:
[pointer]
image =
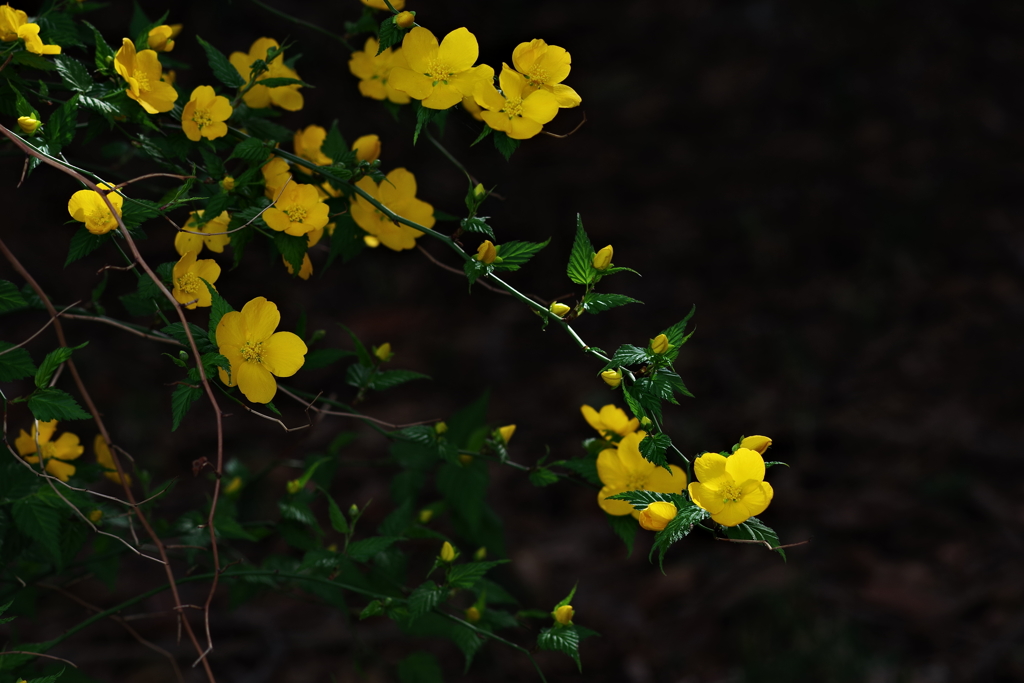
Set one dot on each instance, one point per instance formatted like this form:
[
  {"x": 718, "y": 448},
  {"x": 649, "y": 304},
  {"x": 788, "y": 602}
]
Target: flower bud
[
  {"x": 465, "y": 459},
  {"x": 160, "y": 38},
  {"x": 383, "y": 352},
  {"x": 481, "y": 554},
  {"x": 472, "y": 614},
  {"x": 657, "y": 516},
  {"x": 234, "y": 486},
  {"x": 646, "y": 421},
  {"x": 603, "y": 258},
  {"x": 426, "y": 514},
  {"x": 405, "y": 19},
  {"x": 479, "y": 190},
  {"x": 448, "y": 553},
  {"x": 367, "y": 148},
  {"x": 660, "y": 345},
  {"x": 294, "y": 486},
  {"x": 564, "y": 614},
  {"x": 559, "y": 309},
  {"x": 506, "y": 432},
  {"x": 371, "y": 241},
  {"x": 440, "y": 427},
  {"x": 95, "y": 516},
  {"x": 486, "y": 253},
  {"x": 612, "y": 378},
  {"x": 228, "y": 183},
  {"x": 28, "y": 125},
  {"x": 353, "y": 510},
  {"x": 756, "y": 443}
]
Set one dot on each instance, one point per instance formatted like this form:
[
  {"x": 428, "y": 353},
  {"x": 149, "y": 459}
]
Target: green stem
[
  {"x": 301, "y": 22},
  {"x": 449, "y": 155}
]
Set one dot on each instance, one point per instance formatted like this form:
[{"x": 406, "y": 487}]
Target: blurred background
[{"x": 834, "y": 185}]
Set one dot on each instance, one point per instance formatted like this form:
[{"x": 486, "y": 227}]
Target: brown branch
[
  {"x": 459, "y": 272},
  {"x": 152, "y": 175},
  {"x": 37, "y": 654},
  {"x": 120, "y": 325},
  {"x": 758, "y": 541},
  {"x": 309, "y": 406},
  {"x": 578, "y": 125},
  {"x": 39, "y": 332}
]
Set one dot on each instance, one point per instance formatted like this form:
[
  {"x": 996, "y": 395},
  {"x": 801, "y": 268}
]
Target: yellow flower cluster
[
  {"x": 14, "y": 25},
  {"x": 260, "y": 96}
]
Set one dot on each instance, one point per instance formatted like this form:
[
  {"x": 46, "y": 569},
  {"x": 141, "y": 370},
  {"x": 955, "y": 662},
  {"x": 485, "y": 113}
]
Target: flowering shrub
[{"x": 231, "y": 182}]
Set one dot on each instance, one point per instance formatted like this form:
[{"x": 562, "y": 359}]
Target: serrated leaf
[
  {"x": 363, "y": 550},
  {"x": 219, "y": 306},
  {"x": 514, "y": 254},
  {"x": 542, "y": 476},
  {"x": 478, "y": 224},
  {"x": 755, "y": 530},
  {"x": 15, "y": 364},
  {"x": 426, "y": 597},
  {"x": 421, "y": 434},
  {"x": 475, "y": 270},
  {"x": 107, "y": 109},
  {"x": 221, "y": 67},
  {"x": 52, "y": 361},
  {"x": 292, "y": 248},
  {"x": 770, "y": 463},
  {"x": 628, "y": 355},
  {"x": 505, "y": 145},
  {"x": 585, "y": 467},
  {"x": 60, "y": 127},
  {"x": 389, "y": 34},
  {"x": 375, "y": 608},
  {"x": 297, "y": 511},
  {"x": 10, "y": 298},
  {"x": 625, "y": 527},
  {"x": 653, "y": 446},
  {"x": 181, "y": 400},
  {"x": 54, "y": 404},
  {"x": 677, "y": 334},
  {"x": 466, "y": 575},
  {"x": 202, "y": 340},
  {"x": 252, "y": 150},
  {"x": 641, "y": 499},
  {"x": 562, "y": 639},
  {"x": 687, "y": 514},
  {"x": 581, "y": 268},
  {"x": 138, "y": 211},
  {"x": 338, "y": 521},
  {"x": 73, "y": 73},
  {"x": 596, "y": 303},
  {"x": 393, "y": 378},
  {"x": 37, "y": 520}
]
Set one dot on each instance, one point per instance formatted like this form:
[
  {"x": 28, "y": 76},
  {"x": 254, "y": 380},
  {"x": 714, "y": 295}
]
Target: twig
[
  {"x": 578, "y": 125},
  {"x": 433, "y": 260},
  {"x": 152, "y": 175},
  {"x": 40, "y": 331},
  {"x": 357, "y": 416},
  {"x": 37, "y": 654},
  {"x": 123, "y": 326}
]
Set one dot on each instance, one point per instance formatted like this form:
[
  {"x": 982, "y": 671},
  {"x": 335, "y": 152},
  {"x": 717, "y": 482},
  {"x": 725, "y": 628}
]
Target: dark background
[{"x": 834, "y": 185}]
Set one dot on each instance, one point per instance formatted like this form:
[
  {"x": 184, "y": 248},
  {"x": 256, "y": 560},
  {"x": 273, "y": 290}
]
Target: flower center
[
  {"x": 637, "y": 483},
  {"x": 98, "y": 217},
  {"x": 252, "y": 351},
  {"x": 47, "y": 450},
  {"x": 439, "y": 72},
  {"x": 296, "y": 214},
  {"x": 201, "y": 118},
  {"x": 142, "y": 80},
  {"x": 188, "y": 283},
  {"x": 537, "y": 76},
  {"x": 513, "y": 106},
  {"x": 731, "y": 492}
]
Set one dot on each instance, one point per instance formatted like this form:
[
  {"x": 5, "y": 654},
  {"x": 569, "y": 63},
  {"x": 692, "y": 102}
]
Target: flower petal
[
  {"x": 46, "y": 430},
  {"x": 619, "y": 508},
  {"x": 664, "y": 482},
  {"x": 67, "y": 447},
  {"x": 593, "y": 418},
  {"x": 59, "y": 469},
  {"x": 230, "y": 334},
  {"x": 259, "y": 319},
  {"x": 284, "y": 353},
  {"x": 709, "y": 468},
  {"x": 758, "y": 498},
  {"x": 610, "y": 469},
  {"x": 745, "y": 464},
  {"x": 706, "y": 497},
  {"x": 732, "y": 513},
  {"x": 255, "y": 382},
  {"x": 419, "y": 46},
  {"x": 458, "y": 50}
]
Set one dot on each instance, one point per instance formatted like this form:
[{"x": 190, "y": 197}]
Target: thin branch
[
  {"x": 123, "y": 326},
  {"x": 40, "y": 331},
  {"x": 578, "y": 126},
  {"x": 37, "y": 654},
  {"x": 445, "y": 266},
  {"x": 335, "y": 413},
  {"x": 152, "y": 175}
]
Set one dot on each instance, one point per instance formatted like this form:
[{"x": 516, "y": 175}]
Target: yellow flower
[
  {"x": 657, "y": 515},
  {"x": 426, "y": 514},
  {"x": 756, "y": 443},
  {"x": 732, "y": 489},
  {"x": 440, "y": 427},
  {"x": 307, "y": 145},
  {"x": 564, "y": 614},
  {"x": 276, "y": 174},
  {"x": 474, "y": 109},
  {"x": 160, "y": 38},
  {"x": 603, "y": 258},
  {"x": 233, "y": 486},
  {"x": 298, "y": 210},
  {"x": 660, "y": 345},
  {"x": 213, "y": 238},
  {"x": 371, "y": 241},
  {"x": 95, "y": 516},
  {"x": 383, "y": 352},
  {"x": 546, "y": 66},
  {"x": 106, "y": 459},
  {"x": 610, "y": 421},
  {"x": 204, "y": 114},
  {"x": 518, "y": 110},
  {"x": 486, "y": 253},
  {"x": 612, "y": 378},
  {"x": 448, "y": 553},
  {"x": 228, "y": 183},
  {"x": 28, "y": 125},
  {"x": 14, "y": 25},
  {"x": 440, "y": 75},
  {"x": 374, "y": 71},
  {"x": 256, "y": 352},
  {"x": 506, "y": 432},
  {"x": 623, "y": 469},
  {"x": 473, "y": 614},
  {"x": 398, "y": 193},
  {"x": 260, "y": 96},
  {"x": 405, "y": 19},
  {"x": 188, "y": 276},
  {"x": 54, "y": 453},
  {"x": 367, "y": 148},
  {"x": 143, "y": 73},
  {"x": 380, "y": 4},
  {"x": 87, "y": 206},
  {"x": 559, "y": 309}
]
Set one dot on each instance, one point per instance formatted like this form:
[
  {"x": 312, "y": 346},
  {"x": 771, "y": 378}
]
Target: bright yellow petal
[
  {"x": 59, "y": 469},
  {"x": 663, "y": 482},
  {"x": 442, "y": 97},
  {"x": 25, "y": 444},
  {"x": 706, "y": 497},
  {"x": 619, "y": 508},
  {"x": 732, "y": 513},
  {"x": 207, "y": 269},
  {"x": 420, "y": 47},
  {"x": 46, "y": 430},
  {"x": 745, "y": 464},
  {"x": 709, "y": 468},
  {"x": 593, "y": 419},
  {"x": 758, "y": 498},
  {"x": 522, "y": 128},
  {"x": 230, "y": 334},
  {"x": 511, "y": 82},
  {"x": 185, "y": 242},
  {"x": 259, "y": 319},
  {"x": 611, "y": 470},
  {"x": 284, "y": 353},
  {"x": 458, "y": 50},
  {"x": 416, "y": 85},
  {"x": 256, "y": 383},
  {"x": 67, "y": 447},
  {"x": 540, "y": 106},
  {"x": 566, "y": 96}
]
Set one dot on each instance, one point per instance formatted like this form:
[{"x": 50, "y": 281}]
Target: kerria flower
[
  {"x": 87, "y": 206},
  {"x": 374, "y": 71},
  {"x": 276, "y": 174},
  {"x": 187, "y": 277},
  {"x": 623, "y": 469},
  {"x": 298, "y": 210},
  {"x": 204, "y": 114},
  {"x": 256, "y": 352},
  {"x": 161, "y": 38},
  {"x": 380, "y": 4},
  {"x": 213, "y": 237},
  {"x": 367, "y": 148},
  {"x": 398, "y": 193},
  {"x": 312, "y": 237},
  {"x": 307, "y": 143},
  {"x": 54, "y": 453},
  {"x": 106, "y": 459},
  {"x": 756, "y": 443},
  {"x": 518, "y": 110},
  {"x": 28, "y": 125},
  {"x": 657, "y": 515},
  {"x": 440, "y": 75},
  {"x": 14, "y": 24},
  {"x": 545, "y": 67},
  {"x": 474, "y": 109},
  {"x": 610, "y": 422},
  {"x": 732, "y": 489},
  {"x": 260, "y": 96},
  {"x": 143, "y": 73}
]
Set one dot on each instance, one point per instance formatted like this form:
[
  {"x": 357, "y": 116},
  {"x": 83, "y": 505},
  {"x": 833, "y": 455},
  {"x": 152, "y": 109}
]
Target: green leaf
[
  {"x": 562, "y": 639},
  {"x": 60, "y": 127},
  {"x": 218, "y": 308},
  {"x": 265, "y": 129},
  {"x": 596, "y": 303},
  {"x": 200, "y": 335},
  {"x": 424, "y": 116},
  {"x": 475, "y": 270},
  {"x": 54, "y": 404},
  {"x": 292, "y": 248},
  {"x": 375, "y": 608},
  {"x": 138, "y": 211},
  {"x": 504, "y": 144},
  {"x": 581, "y": 268},
  {"x": 15, "y": 364},
  {"x": 653, "y": 446},
  {"x": 419, "y": 667},
  {"x": 58, "y": 28},
  {"x": 37, "y": 520},
  {"x": 252, "y": 150},
  {"x": 107, "y": 109},
  {"x": 181, "y": 400},
  {"x": 297, "y": 511},
  {"x": 542, "y": 476},
  {"x": 10, "y": 298},
  {"x": 641, "y": 499},
  {"x": 687, "y": 514},
  {"x": 33, "y": 61},
  {"x": 628, "y": 355},
  {"x": 514, "y": 254},
  {"x": 467, "y": 575},
  {"x": 625, "y": 527},
  {"x": 338, "y": 521},
  {"x": 426, "y": 597},
  {"x": 479, "y": 224},
  {"x": 767, "y": 463},
  {"x": 52, "y": 361},
  {"x": 585, "y": 467},
  {"x": 363, "y": 550},
  {"x": 676, "y": 335},
  {"x": 221, "y": 67},
  {"x": 392, "y": 378},
  {"x": 389, "y": 34},
  {"x": 755, "y": 530},
  {"x": 74, "y": 74}
]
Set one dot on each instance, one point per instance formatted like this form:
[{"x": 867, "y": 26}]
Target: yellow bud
[
  {"x": 465, "y": 459},
  {"x": 448, "y": 553},
  {"x": 405, "y": 19},
  {"x": 367, "y": 148},
  {"x": 660, "y": 344},
  {"x": 645, "y": 421},
  {"x": 486, "y": 253},
  {"x": 481, "y": 554},
  {"x": 234, "y": 486},
  {"x": 28, "y": 125},
  {"x": 426, "y": 515},
  {"x": 294, "y": 486},
  {"x": 559, "y": 309},
  {"x": 564, "y": 614},
  {"x": 612, "y": 378},
  {"x": 371, "y": 241},
  {"x": 440, "y": 427},
  {"x": 756, "y": 443},
  {"x": 383, "y": 352},
  {"x": 657, "y": 516},
  {"x": 479, "y": 190},
  {"x": 603, "y": 258},
  {"x": 506, "y": 432},
  {"x": 160, "y": 38},
  {"x": 228, "y": 183},
  {"x": 472, "y": 615},
  {"x": 95, "y": 516}
]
